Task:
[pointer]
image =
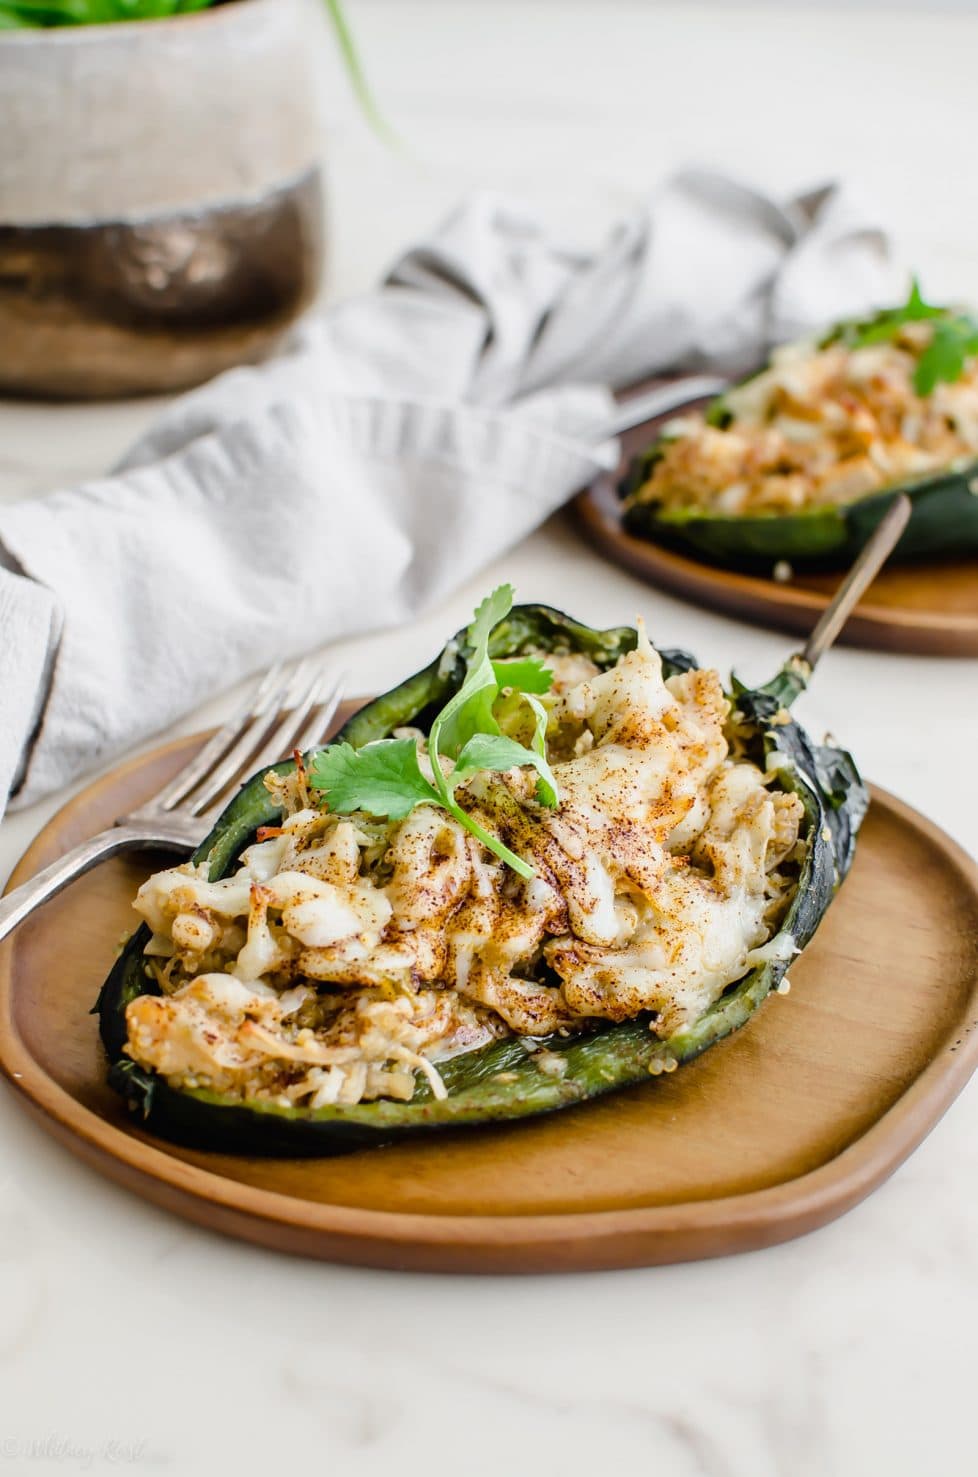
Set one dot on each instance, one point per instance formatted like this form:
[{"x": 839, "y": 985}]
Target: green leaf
[
  {"x": 953, "y": 343},
  {"x": 954, "y": 339},
  {"x": 546, "y": 785},
  {"x": 40, "y": 12},
  {"x": 527, "y": 674},
  {"x": 915, "y": 307},
  {"x": 355, "y": 72},
  {"x": 498, "y": 753},
  {"x": 470, "y": 710},
  {"x": 489, "y": 751},
  {"x": 383, "y": 778},
  {"x": 470, "y": 715},
  {"x": 887, "y": 324},
  {"x": 488, "y": 613}
]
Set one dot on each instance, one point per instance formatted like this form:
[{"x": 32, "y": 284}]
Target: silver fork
[{"x": 286, "y": 711}]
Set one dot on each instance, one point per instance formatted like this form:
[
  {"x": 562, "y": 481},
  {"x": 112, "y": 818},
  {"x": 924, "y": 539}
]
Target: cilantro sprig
[
  {"x": 885, "y": 326},
  {"x": 953, "y": 342},
  {"x": 385, "y": 778}
]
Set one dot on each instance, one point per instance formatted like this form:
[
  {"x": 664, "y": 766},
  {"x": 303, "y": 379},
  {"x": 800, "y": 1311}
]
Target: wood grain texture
[
  {"x": 770, "y": 1134},
  {"x": 924, "y": 608}
]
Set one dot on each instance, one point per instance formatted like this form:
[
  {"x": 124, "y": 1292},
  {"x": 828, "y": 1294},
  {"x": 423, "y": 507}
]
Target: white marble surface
[{"x": 128, "y": 1339}]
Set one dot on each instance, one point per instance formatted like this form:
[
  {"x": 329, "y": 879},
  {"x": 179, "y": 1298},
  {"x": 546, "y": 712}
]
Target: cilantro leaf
[
  {"x": 473, "y": 714},
  {"x": 470, "y": 710},
  {"x": 489, "y": 751},
  {"x": 546, "y": 784},
  {"x": 915, "y": 309},
  {"x": 886, "y": 324},
  {"x": 526, "y": 673},
  {"x": 484, "y": 751},
  {"x": 488, "y": 613},
  {"x": 383, "y": 778},
  {"x": 954, "y": 341}
]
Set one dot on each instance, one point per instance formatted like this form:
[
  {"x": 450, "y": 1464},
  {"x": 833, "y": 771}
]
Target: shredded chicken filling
[
  {"x": 347, "y": 956},
  {"x": 820, "y": 427}
]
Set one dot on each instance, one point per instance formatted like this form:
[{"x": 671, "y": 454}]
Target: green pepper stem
[{"x": 790, "y": 682}]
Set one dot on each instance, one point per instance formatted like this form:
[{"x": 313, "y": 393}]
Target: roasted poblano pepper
[
  {"x": 502, "y": 1081},
  {"x": 944, "y": 502},
  {"x": 943, "y": 521}
]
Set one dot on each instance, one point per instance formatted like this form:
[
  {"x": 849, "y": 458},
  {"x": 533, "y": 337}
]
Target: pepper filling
[
  {"x": 348, "y": 955},
  {"x": 820, "y": 427}
]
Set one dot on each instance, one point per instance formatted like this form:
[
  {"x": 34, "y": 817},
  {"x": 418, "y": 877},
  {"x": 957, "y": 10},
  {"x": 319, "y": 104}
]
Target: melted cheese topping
[
  {"x": 346, "y": 954},
  {"x": 819, "y": 427}
]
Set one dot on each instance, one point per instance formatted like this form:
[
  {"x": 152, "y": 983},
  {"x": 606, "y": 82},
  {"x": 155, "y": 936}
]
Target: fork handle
[{"x": 22, "y": 901}]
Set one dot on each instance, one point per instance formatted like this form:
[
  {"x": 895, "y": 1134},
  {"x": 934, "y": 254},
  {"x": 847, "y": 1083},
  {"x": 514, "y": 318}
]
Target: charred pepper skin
[
  {"x": 500, "y": 1082},
  {"x": 943, "y": 521}
]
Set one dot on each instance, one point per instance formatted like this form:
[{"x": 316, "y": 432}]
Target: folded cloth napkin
[{"x": 402, "y": 442}]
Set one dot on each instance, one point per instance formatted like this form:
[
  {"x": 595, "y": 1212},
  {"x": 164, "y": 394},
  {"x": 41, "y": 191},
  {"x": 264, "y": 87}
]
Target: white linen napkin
[{"x": 402, "y": 442}]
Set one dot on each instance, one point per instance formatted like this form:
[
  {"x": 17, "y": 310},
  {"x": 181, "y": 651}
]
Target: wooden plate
[
  {"x": 774, "y": 1132},
  {"x": 928, "y": 609}
]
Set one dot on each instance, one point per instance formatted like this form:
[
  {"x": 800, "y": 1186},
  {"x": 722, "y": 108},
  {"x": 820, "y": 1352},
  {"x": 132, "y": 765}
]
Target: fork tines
[{"x": 290, "y": 708}]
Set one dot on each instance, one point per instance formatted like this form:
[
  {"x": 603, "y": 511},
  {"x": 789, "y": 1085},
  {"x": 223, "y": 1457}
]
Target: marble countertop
[{"x": 129, "y": 1339}]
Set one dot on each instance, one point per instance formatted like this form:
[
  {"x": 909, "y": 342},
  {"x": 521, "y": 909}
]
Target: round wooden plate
[
  {"x": 928, "y": 609},
  {"x": 772, "y": 1133}
]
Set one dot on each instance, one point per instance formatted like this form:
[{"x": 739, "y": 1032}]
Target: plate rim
[{"x": 557, "y": 1241}]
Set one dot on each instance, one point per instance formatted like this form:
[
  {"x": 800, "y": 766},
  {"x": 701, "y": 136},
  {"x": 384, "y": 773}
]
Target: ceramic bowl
[{"x": 160, "y": 198}]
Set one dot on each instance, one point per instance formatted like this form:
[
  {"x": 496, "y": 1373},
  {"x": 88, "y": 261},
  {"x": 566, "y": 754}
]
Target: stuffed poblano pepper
[
  {"x": 554, "y": 863},
  {"x": 799, "y": 464}
]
